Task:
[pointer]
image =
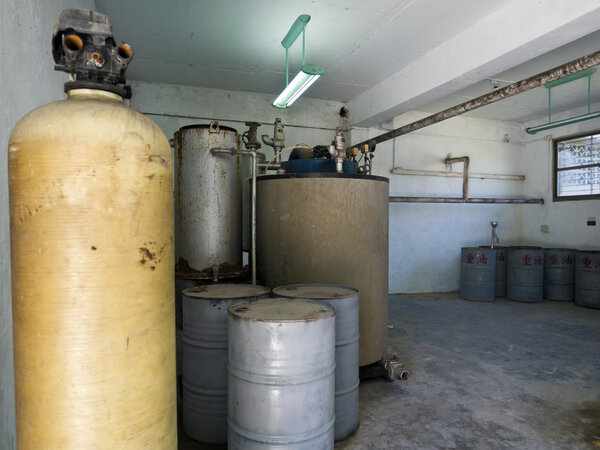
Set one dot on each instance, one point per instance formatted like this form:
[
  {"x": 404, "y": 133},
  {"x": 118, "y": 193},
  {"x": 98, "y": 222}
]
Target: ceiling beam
[{"x": 514, "y": 33}]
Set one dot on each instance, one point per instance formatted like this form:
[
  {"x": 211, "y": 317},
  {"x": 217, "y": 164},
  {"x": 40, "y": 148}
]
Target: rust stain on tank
[
  {"x": 225, "y": 270},
  {"x": 150, "y": 256}
]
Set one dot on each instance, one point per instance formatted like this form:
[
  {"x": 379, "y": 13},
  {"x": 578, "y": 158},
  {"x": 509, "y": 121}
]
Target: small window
[{"x": 577, "y": 167}]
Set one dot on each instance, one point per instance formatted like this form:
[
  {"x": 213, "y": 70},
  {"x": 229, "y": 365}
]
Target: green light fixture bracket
[
  {"x": 570, "y": 120},
  {"x": 308, "y": 73}
]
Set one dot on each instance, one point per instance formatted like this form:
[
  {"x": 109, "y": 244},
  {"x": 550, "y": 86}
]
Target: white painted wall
[
  {"x": 27, "y": 80},
  {"x": 425, "y": 239},
  {"x": 566, "y": 219},
  {"x": 309, "y": 121}
]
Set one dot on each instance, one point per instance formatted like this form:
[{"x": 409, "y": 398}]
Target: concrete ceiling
[
  {"x": 534, "y": 103},
  {"x": 383, "y": 57}
]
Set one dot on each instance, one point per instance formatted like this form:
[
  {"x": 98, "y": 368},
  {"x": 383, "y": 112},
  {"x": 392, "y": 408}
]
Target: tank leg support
[{"x": 390, "y": 368}]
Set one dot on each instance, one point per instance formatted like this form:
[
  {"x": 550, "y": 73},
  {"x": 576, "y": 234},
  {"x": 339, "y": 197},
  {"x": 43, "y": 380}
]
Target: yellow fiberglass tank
[{"x": 91, "y": 219}]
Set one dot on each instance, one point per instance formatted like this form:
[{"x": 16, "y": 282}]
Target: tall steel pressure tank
[
  {"x": 208, "y": 202},
  {"x": 329, "y": 228},
  {"x": 92, "y": 269},
  {"x": 281, "y": 375}
]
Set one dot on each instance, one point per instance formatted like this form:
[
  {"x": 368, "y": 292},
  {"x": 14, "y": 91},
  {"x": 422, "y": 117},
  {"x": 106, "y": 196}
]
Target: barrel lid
[
  {"x": 315, "y": 291},
  {"x": 561, "y": 249},
  {"x": 226, "y": 291},
  {"x": 588, "y": 251},
  {"x": 281, "y": 310},
  {"x": 524, "y": 247},
  {"x": 501, "y": 247}
]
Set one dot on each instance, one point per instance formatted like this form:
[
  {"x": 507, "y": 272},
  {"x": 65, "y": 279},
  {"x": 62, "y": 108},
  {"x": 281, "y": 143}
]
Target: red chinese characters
[
  {"x": 528, "y": 260},
  {"x": 567, "y": 259},
  {"x": 477, "y": 258}
]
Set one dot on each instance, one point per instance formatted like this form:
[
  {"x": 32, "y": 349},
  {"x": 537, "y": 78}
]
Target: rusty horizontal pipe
[
  {"x": 397, "y": 199},
  {"x": 577, "y": 65},
  {"x": 440, "y": 173}
]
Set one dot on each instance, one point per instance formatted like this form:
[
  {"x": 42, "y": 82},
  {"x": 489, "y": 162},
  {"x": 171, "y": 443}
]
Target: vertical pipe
[
  {"x": 465, "y": 161},
  {"x": 549, "y": 105},
  {"x": 253, "y": 219}
]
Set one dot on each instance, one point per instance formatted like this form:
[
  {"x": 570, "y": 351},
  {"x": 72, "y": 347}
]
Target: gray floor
[{"x": 484, "y": 375}]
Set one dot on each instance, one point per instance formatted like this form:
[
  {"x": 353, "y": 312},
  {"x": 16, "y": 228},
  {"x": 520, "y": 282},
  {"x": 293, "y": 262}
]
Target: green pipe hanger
[{"x": 299, "y": 26}]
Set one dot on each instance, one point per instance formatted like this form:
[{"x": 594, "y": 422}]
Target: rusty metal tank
[
  {"x": 329, "y": 228},
  {"x": 91, "y": 223},
  {"x": 208, "y": 202}
]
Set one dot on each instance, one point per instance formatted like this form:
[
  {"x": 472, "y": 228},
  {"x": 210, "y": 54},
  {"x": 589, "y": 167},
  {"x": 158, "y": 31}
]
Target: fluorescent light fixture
[
  {"x": 562, "y": 123},
  {"x": 301, "y": 82}
]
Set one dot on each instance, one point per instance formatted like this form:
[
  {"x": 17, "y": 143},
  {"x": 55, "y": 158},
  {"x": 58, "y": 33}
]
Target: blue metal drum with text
[
  {"x": 281, "y": 375},
  {"x": 525, "y": 274},
  {"x": 478, "y": 274},
  {"x": 587, "y": 279},
  {"x": 345, "y": 300},
  {"x": 205, "y": 357},
  {"x": 559, "y": 274}
]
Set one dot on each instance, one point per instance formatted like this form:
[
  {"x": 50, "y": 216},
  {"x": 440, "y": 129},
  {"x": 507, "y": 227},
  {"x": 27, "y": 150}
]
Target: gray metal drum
[
  {"x": 345, "y": 301},
  {"x": 478, "y": 274},
  {"x": 246, "y": 164},
  {"x": 587, "y": 279},
  {"x": 208, "y": 203},
  {"x": 329, "y": 228},
  {"x": 500, "y": 269},
  {"x": 559, "y": 274},
  {"x": 525, "y": 274},
  {"x": 180, "y": 286},
  {"x": 281, "y": 375},
  {"x": 205, "y": 357}
]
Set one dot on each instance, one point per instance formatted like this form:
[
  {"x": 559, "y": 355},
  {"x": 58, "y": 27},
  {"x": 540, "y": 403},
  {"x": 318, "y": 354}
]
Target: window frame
[{"x": 555, "y": 169}]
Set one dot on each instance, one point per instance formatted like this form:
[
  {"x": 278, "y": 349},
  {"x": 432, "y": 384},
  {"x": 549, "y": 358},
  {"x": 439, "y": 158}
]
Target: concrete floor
[{"x": 484, "y": 375}]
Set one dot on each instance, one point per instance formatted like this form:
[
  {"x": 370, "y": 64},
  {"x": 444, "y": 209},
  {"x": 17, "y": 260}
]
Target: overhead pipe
[
  {"x": 465, "y": 192},
  {"x": 577, "y": 65}
]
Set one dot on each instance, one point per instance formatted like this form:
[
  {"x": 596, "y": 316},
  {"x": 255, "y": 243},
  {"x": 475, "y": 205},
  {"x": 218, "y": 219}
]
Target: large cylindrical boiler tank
[
  {"x": 92, "y": 276},
  {"x": 329, "y": 228},
  {"x": 208, "y": 202}
]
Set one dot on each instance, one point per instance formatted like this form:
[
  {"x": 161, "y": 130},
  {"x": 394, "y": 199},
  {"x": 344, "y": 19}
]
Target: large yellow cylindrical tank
[{"x": 91, "y": 219}]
